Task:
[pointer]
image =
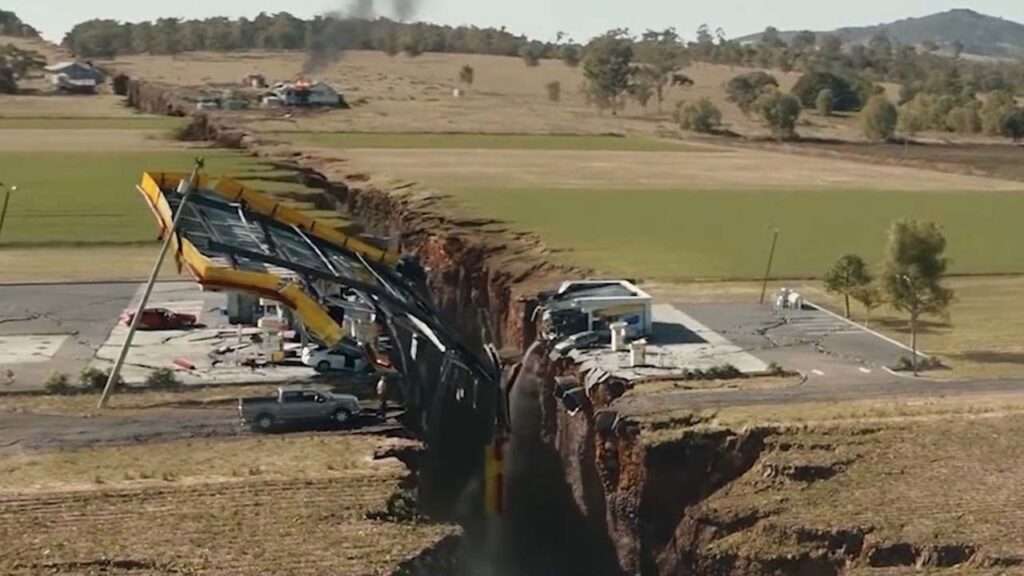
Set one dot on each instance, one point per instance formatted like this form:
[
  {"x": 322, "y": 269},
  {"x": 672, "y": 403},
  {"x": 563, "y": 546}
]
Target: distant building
[
  {"x": 75, "y": 77},
  {"x": 304, "y": 94},
  {"x": 255, "y": 81}
]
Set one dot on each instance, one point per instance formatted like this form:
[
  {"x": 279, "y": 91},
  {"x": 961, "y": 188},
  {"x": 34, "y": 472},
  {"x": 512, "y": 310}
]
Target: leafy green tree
[
  {"x": 914, "y": 269},
  {"x": 845, "y": 94},
  {"x": 571, "y": 54},
  {"x": 846, "y": 277},
  {"x": 700, "y": 116},
  {"x": 914, "y": 116},
  {"x": 879, "y": 118},
  {"x": 745, "y": 89},
  {"x": 1013, "y": 124},
  {"x": 608, "y": 67},
  {"x": 870, "y": 297},
  {"x": 780, "y": 112},
  {"x": 825, "y": 102},
  {"x": 996, "y": 106},
  {"x": 662, "y": 55},
  {"x": 771, "y": 38},
  {"x": 532, "y": 53},
  {"x": 803, "y": 41},
  {"x": 467, "y": 75},
  {"x": 642, "y": 86},
  {"x": 965, "y": 119}
]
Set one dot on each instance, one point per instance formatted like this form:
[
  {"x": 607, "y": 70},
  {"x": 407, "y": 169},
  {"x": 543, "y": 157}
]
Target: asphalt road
[{"x": 85, "y": 313}]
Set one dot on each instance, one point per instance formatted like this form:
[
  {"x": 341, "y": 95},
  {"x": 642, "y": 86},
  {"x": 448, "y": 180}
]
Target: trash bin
[
  {"x": 618, "y": 330},
  {"x": 638, "y": 353}
]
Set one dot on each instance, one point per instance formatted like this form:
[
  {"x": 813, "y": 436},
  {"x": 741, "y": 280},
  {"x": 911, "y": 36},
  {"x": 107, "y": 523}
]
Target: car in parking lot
[{"x": 342, "y": 358}]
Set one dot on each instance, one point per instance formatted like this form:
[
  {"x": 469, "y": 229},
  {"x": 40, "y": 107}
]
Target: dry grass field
[
  {"x": 403, "y": 94},
  {"x": 290, "y": 505}
]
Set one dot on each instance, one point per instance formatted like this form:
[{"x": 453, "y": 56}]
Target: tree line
[
  {"x": 11, "y": 25},
  {"x": 283, "y": 31}
]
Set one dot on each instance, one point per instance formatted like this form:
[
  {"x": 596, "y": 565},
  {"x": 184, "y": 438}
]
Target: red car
[{"x": 161, "y": 319}]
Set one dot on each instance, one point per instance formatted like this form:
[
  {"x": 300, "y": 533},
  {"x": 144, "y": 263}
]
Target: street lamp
[{"x": 7, "y": 200}]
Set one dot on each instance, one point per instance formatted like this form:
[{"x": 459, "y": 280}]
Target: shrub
[
  {"x": 162, "y": 379},
  {"x": 879, "y": 118},
  {"x": 554, "y": 91},
  {"x": 58, "y": 383},
  {"x": 847, "y": 94},
  {"x": 120, "y": 84},
  {"x": 825, "y": 103},
  {"x": 780, "y": 111},
  {"x": 467, "y": 74},
  {"x": 700, "y": 116},
  {"x": 96, "y": 379},
  {"x": 964, "y": 120}
]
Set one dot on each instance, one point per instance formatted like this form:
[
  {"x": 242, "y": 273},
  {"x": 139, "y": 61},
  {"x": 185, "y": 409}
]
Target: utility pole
[
  {"x": 115, "y": 372},
  {"x": 771, "y": 259},
  {"x": 7, "y": 201}
]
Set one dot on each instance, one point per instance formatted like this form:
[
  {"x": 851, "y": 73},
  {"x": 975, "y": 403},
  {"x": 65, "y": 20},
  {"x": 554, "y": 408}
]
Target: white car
[{"x": 341, "y": 359}]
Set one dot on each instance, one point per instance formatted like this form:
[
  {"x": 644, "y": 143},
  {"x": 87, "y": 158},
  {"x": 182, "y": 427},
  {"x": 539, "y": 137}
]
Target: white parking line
[
  {"x": 865, "y": 370},
  {"x": 817, "y": 372},
  {"x": 29, "y": 349}
]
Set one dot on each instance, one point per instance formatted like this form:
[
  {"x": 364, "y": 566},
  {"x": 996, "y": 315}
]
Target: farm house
[
  {"x": 305, "y": 94},
  {"x": 76, "y": 77}
]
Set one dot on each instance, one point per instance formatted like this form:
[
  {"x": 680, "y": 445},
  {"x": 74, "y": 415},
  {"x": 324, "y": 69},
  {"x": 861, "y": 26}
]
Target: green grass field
[
  {"x": 488, "y": 142},
  {"x": 97, "y": 123},
  {"x": 90, "y": 197},
  {"x": 690, "y": 234}
]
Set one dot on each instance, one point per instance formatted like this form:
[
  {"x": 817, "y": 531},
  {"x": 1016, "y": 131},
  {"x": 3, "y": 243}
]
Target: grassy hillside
[{"x": 980, "y": 34}]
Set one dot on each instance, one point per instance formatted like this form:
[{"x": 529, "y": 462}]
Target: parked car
[
  {"x": 298, "y": 407},
  {"x": 161, "y": 319},
  {"x": 343, "y": 358}
]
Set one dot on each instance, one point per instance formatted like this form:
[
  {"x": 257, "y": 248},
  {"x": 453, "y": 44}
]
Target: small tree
[
  {"x": 847, "y": 277},
  {"x": 914, "y": 269},
  {"x": 780, "y": 111},
  {"x": 532, "y": 53},
  {"x": 824, "y": 102},
  {"x": 608, "y": 67},
  {"x": 870, "y": 297},
  {"x": 1012, "y": 125},
  {"x": 879, "y": 118},
  {"x": 554, "y": 91},
  {"x": 700, "y": 116},
  {"x": 570, "y": 54},
  {"x": 467, "y": 75},
  {"x": 643, "y": 86}
]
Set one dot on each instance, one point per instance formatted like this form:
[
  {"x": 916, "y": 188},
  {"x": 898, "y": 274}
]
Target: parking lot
[
  {"x": 812, "y": 341},
  {"x": 47, "y": 328}
]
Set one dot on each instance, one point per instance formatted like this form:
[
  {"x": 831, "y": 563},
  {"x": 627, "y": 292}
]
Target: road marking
[
  {"x": 865, "y": 370},
  {"x": 818, "y": 372},
  {"x": 29, "y": 349},
  {"x": 865, "y": 329}
]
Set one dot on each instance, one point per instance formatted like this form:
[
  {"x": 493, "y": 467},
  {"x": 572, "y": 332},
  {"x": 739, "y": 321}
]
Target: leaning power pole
[
  {"x": 771, "y": 260},
  {"x": 115, "y": 372}
]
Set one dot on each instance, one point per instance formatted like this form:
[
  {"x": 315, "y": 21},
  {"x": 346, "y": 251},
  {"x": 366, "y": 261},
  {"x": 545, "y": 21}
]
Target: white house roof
[{"x": 61, "y": 66}]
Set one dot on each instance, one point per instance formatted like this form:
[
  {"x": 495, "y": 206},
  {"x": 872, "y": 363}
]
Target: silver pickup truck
[{"x": 298, "y": 407}]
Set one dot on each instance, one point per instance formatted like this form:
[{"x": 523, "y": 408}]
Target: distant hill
[{"x": 979, "y": 34}]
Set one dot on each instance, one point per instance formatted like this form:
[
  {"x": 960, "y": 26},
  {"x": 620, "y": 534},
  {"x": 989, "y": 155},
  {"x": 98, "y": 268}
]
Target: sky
[{"x": 582, "y": 19}]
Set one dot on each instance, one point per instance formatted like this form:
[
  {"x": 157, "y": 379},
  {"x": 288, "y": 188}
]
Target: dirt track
[{"x": 33, "y": 432}]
